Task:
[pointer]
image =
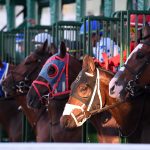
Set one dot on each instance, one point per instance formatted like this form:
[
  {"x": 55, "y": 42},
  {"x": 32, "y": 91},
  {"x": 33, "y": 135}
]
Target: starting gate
[{"x": 112, "y": 37}]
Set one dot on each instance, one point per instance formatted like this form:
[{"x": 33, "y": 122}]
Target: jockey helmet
[
  {"x": 40, "y": 38},
  {"x": 95, "y": 27}
]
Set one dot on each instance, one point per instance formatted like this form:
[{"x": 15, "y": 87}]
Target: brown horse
[
  {"x": 90, "y": 95},
  {"x": 11, "y": 120},
  {"x": 18, "y": 83},
  {"x": 9, "y": 113},
  {"x": 134, "y": 75},
  {"x": 133, "y": 81},
  {"x": 49, "y": 84}
]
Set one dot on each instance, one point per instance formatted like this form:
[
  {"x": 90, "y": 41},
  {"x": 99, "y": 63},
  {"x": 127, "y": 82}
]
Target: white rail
[{"x": 69, "y": 146}]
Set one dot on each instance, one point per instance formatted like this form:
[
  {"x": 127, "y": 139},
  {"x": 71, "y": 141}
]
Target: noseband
[
  {"x": 133, "y": 86},
  {"x": 85, "y": 108},
  {"x": 51, "y": 94}
]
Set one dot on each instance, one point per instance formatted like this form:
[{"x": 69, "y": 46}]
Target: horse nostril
[{"x": 112, "y": 89}]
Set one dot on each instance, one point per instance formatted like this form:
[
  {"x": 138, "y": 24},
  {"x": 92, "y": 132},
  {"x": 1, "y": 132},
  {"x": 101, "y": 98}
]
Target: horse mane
[
  {"x": 108, "y": 72},
  {"x": 105, "y": 74}
]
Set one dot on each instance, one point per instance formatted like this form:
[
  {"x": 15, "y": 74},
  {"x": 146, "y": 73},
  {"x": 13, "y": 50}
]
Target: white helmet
[{"x": 40, "y": 38}]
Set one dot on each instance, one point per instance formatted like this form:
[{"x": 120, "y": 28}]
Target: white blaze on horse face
[
  {"x": 116, "y": 88},
  {"x": 139, "y": 46},
  {"x": 115, "y": 93}
]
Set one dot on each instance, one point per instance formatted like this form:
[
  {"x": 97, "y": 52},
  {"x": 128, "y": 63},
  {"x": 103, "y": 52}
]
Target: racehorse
[
  {"x": 90, "y": 95},
  {"x": 10, "y": 116},
  {"x": 52, "y": 88},
  {"x": 11, "y": 119},
  {"x": 18, "y": 83},
  {"x": 132, "y": 80}
]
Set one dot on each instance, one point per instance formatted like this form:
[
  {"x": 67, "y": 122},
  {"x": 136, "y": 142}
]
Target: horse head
[
  {"x": 133, "y": 79},
  {"x": 20, "y": 79},
  {"x": 54, "y": 79},
  {"x": 89, "y": 94}
]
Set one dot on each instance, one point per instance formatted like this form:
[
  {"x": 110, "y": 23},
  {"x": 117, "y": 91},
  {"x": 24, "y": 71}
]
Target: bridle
[
  {"x": 44, "y": 99},
  {"x": 85, "y": 108},
  {"x": 95, "y": 91},
  {"x": 24, "y": 85},
  {"x": 133, "y": 87}
]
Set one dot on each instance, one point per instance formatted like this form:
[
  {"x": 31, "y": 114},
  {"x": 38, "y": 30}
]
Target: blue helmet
[
  {"x": 41, "y": 37},
  {"x": 95, "y": 26},
  {"x": 19, "y": 37}
]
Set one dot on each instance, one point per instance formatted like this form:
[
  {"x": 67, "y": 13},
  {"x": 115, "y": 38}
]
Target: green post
[
  {"x": 129, "y": 5},
  {"x": 32, "y": 12},
  {"x": 140, "y": 4},
  {"x": 121, "y": 39},
  {"x": 80, "y": 9},
  {"x": 39, "y": 15},
  {"x": 146, "y": 4},
  {"x": 10, "y": 8},
  {"x": 108, "y": 7},
  {"x": 55, "y": 10}
]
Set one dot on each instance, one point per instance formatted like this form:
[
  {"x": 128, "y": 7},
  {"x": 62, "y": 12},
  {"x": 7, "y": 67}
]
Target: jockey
[
  {"x": 99, "y": 43},
  {"x": 115, "y": 61},
  {"x": 40, "y": 38},
  {"x": 140, "y": 22}
]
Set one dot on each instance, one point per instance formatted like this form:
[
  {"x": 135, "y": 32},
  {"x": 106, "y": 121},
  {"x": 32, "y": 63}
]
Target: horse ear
[
  {"x": 91, "y": 65},
  {"x": 88, "y": 63},
  {"x": 146, "y": 29},
  {"x": 62, "y": 50},
  {"x": 85, "y": 61},
  {"x": 45, "y": 45}
]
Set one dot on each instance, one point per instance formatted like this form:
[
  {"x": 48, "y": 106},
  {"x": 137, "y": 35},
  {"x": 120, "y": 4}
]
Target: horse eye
[
  {"x": 39, "y": 60},
  {"x": 52, "y": 71},
  {"x": 83, "y": 88},
  {"x": 140, "y": 55}
]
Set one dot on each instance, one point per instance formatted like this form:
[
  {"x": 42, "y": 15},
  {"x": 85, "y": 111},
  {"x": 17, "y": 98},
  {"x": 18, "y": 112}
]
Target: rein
[
  {"x": 101, "y": 109},
  {"x": 87, "y": 113},
  {"x": 96, "y": 89}
]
